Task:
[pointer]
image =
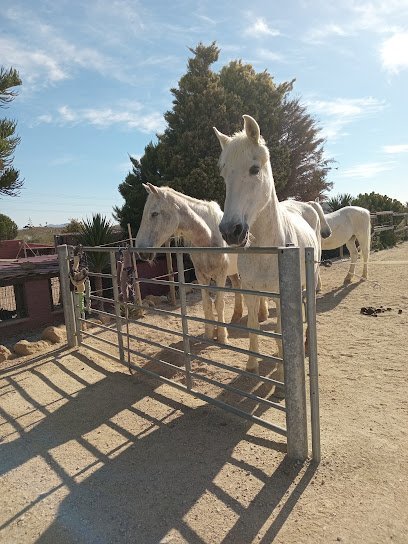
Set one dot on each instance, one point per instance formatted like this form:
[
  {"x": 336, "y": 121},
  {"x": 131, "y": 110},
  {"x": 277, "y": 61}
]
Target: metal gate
[{"x": 128, "y": 337}]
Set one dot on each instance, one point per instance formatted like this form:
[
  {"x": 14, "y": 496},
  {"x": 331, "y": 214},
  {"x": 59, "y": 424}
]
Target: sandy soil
[{"x": 90, "y": 454}]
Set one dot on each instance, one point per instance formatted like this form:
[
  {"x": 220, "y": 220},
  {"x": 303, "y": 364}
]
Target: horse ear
[
  {"x": 222, "y": 138},
  {"x": 151, "y": 189},
  {"x": 251, "y": 128}
]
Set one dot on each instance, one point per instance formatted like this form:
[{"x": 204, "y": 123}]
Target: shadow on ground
[
  {"x": 329, "y": 300},
  {"x": 148, "y": 489}
]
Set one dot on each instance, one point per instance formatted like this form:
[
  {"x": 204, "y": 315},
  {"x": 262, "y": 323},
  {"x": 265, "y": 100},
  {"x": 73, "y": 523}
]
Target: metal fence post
[
  {"x": 184, "y": 320},
  {"x": 171, "y": 275},
  {"x": 77, "y": 313},
  {"x": 312, "y": 343},
  {"x": 290, "y": 289},
  {"x": 67, "y": 298},
  {"x": 117, "y": 305}
]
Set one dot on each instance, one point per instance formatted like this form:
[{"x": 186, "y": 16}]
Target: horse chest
[{"x": 259, "y": 271}]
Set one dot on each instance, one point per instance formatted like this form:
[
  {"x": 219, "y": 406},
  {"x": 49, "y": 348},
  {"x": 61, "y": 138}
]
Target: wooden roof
[{"x": 17, "y": 269}]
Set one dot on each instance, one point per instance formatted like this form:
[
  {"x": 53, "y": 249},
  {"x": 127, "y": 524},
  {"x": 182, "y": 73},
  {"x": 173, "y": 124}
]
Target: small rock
[
  {"x": 5, "y": 353},
  {"x": 400, "y": 311},
  {"x": 24, "y": 347},
  {"x": 53, "y": 334}
]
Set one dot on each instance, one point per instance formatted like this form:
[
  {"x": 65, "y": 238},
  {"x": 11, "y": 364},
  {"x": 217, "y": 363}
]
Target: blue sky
[{"x": 97, "y": 78}]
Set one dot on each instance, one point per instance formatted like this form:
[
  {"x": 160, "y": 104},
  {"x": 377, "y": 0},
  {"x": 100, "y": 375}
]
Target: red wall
[{"x": 39, "y": 310}]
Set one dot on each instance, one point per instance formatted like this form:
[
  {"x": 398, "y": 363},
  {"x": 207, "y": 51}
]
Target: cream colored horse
[
  {"x": 254, "y": 216},
  {"x": 347, "y": 225},
  {"x": 316, "y": 220},
  {"x": 167, "y": 213}
]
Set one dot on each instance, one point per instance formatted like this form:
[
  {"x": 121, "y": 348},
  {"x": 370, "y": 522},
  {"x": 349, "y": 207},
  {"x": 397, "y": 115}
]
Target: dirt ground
[{"x": 90, "y": 454}]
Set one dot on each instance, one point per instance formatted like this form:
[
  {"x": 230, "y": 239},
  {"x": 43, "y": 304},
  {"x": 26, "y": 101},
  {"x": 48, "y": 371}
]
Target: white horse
[
  {"x": 167, "y": 213},
  {"x": 254, "y": 216},
  {"x": 316, "y": 221},
  {"x": 347, "y": 225}
]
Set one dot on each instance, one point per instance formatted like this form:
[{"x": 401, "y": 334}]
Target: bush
[{"x": 8, "y": 229}]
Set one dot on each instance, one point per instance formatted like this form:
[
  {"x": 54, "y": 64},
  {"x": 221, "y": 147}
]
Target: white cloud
[
  {"x": 394, "y": 52},
  {"x": 379, "y": 16},
  {"x": 33, "y": 64},
  {"x": 267, "y": 54},
  {"x": 261, "y": 28},
  {"x": 337, "y": 114},
  {"x": 318, "y": 35},
  {"x": 45, "y": 118},
  {"x": 44, "y": 56},
  {"x": 130, "y": 117},
  {"x": 368, "y": 170},
  {"x": 394, "y": 149}
]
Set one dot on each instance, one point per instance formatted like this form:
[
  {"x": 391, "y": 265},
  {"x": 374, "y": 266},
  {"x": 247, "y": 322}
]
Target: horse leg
[
  {"x": 252, "y": 303},
  {"x": 365, "y": 251},
  {"x": 319, "y": 282},
  {"x": 207, "y": 306},
  {"x": 279, "y": 373},
  {"x": 222, "y": 333},
  {"x": 238, "y": 306},
  {"x": 263, "y": 313},
  {"x": 351, "y": 246}
]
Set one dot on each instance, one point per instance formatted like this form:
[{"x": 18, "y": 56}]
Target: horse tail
[{"x": 325, "y": 230}]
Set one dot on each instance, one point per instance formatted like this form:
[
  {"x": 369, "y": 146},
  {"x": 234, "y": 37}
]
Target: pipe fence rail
[{"x": 138, "y": 343}]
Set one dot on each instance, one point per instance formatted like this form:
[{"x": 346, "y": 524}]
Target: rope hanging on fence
[{"x": 78, "y": 275}]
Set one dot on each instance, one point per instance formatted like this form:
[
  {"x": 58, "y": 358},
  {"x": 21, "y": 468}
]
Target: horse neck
[
  {"x": 268, "y": 228},
  {"x": 194, "y": 222}
]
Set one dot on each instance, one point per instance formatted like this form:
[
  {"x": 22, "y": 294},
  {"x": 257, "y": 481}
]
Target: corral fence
[
  {"x": 389, "y": 220},
  {"x": 129, "y": 340}
]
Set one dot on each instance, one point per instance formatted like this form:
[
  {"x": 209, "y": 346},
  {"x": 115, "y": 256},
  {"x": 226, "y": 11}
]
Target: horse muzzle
[
  {"x": 235, "y": 234},
  {"x": 326, "y": 233},
  {"x": 146, "y": 256}
]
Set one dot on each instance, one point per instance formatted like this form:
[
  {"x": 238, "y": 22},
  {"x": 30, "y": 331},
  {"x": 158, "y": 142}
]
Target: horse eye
[
  {"x": 254, "y": 170},
  {"x": 155, "y": 214}
]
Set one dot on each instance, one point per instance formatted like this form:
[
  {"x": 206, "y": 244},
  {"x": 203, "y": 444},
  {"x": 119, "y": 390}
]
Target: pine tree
[
  {"x": 10, "y": 181},
  {"x": 186, "y": 155}
]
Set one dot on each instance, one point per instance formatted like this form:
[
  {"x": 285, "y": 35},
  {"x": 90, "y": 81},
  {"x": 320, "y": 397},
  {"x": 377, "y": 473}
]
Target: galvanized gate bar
[
  {"x": 209, "y": 321},
  {"x": 183, "y": 303},
  {"x": 233, "y": 369},
  {"x": 117, "y": 304},
  {"x": 67, "y": 299},
  {"x": 312, "y": 345},
  {"x": 194, "y": 249},
  {"x": 292, "y": 340},
  {"x": 293, "y": 351},
  {"x": 200, "y": 286},
  {"x": 215, "y": 402}
]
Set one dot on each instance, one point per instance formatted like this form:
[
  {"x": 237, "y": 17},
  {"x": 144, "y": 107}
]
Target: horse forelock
[{"x": 241, "y": 147}]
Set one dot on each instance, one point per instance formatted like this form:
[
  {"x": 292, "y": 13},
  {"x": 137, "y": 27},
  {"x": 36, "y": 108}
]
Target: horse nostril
[{"x": 237, "y": 230}]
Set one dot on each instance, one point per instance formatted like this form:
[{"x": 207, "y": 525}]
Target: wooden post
[
  {"x": 136, "y": 285},
  {"x": 171, "y": 275},
  {"x": 67, "y": 298}
]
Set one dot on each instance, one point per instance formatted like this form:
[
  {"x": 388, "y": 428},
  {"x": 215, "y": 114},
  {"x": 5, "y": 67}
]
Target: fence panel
[{"x": 215, "y": 376}]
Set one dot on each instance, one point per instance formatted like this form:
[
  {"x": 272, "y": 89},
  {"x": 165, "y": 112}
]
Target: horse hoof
[
  {"x": 253, "y": 368},
  {"x": 223, "y": 339},
  {"x": 262, "y": 317},
  {"x": 347, "y": 280}
]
